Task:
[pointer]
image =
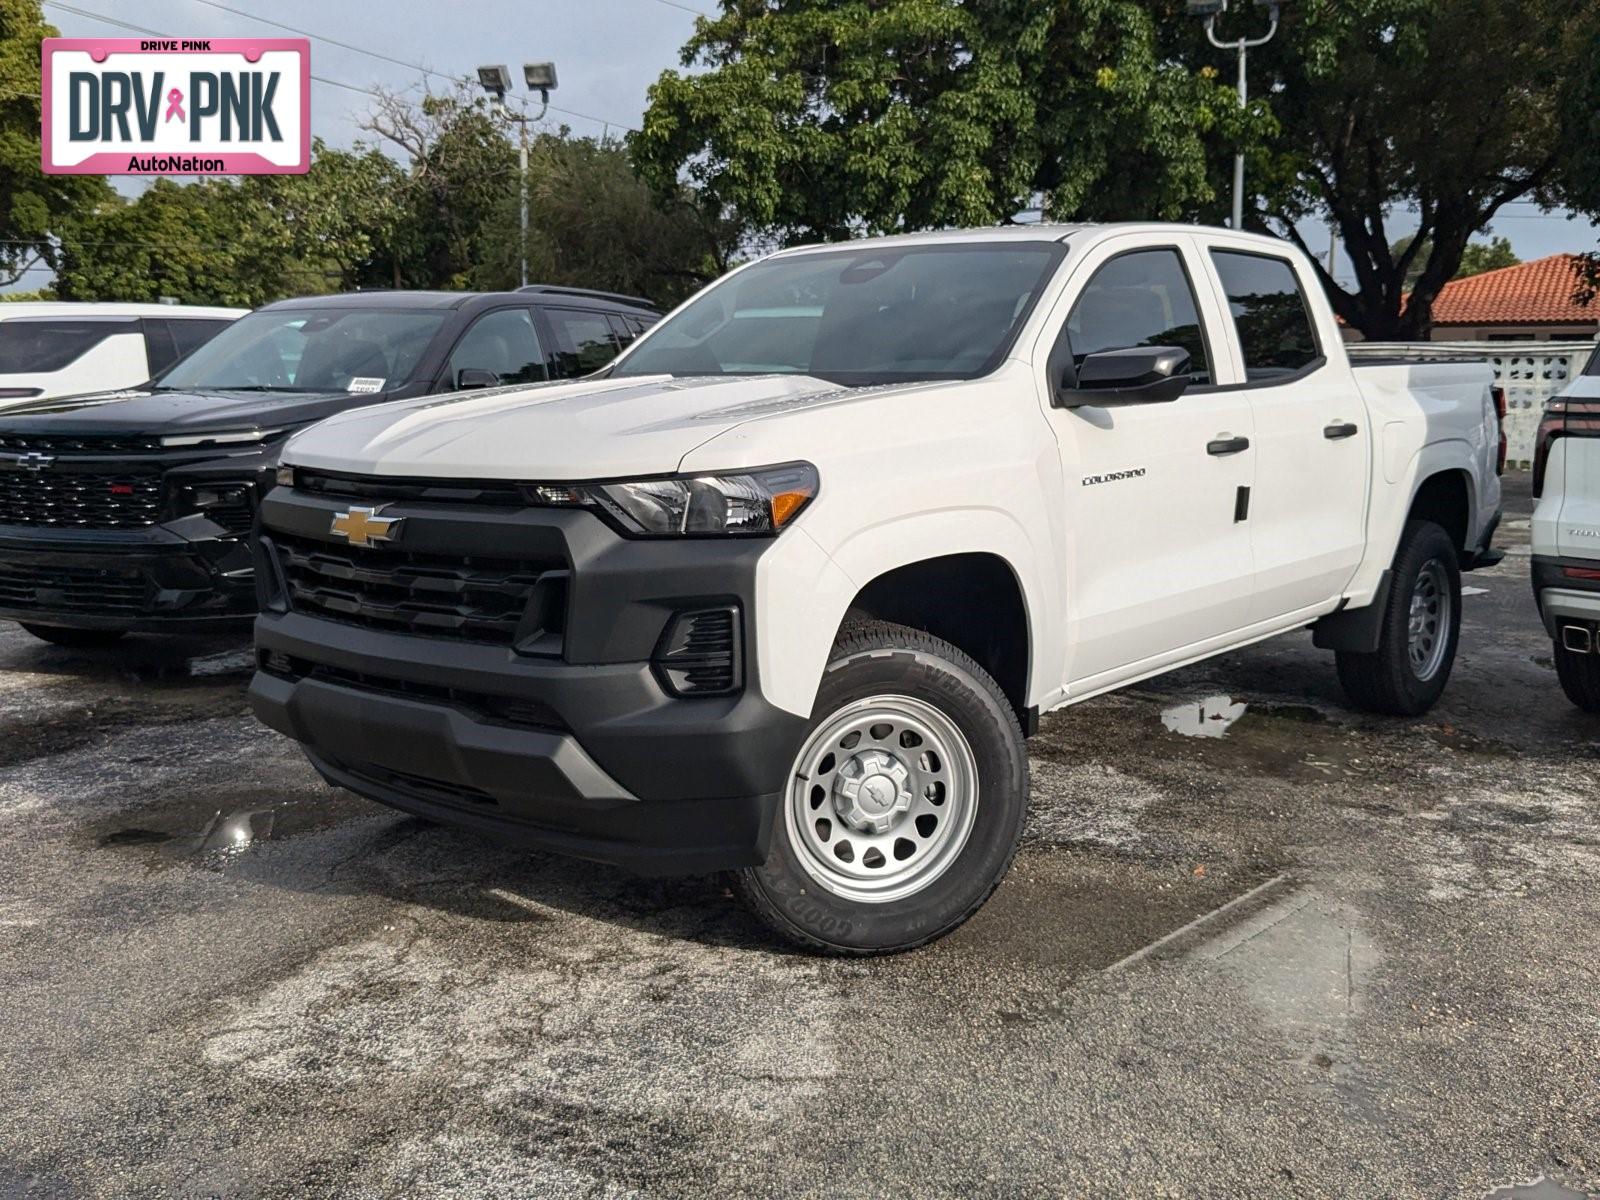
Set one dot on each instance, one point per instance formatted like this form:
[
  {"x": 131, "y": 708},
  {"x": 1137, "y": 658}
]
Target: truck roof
[
  {"x": 1043, "y": 232},
  {"x": 432, "y": 300}
]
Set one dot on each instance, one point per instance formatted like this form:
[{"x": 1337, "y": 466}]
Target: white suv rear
[
  {"x": 59, "y": 348},
  {"x": 1566, "y": 533}
]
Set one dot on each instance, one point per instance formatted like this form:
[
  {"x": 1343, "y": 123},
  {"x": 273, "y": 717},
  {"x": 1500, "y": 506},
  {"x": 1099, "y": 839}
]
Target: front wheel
[
  {"x": 1580, "y": 677},
  {"x": 78, "y": 639},
  {"x": 905, "y": 805},
  {"x": 1421, "y": 627}
]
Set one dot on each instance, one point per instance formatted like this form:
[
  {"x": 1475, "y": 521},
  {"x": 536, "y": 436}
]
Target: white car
[
  {"x": 1566, "y": 533},
  {"x": 62, "y": 348},
  {"x": 783, "y": 589}
]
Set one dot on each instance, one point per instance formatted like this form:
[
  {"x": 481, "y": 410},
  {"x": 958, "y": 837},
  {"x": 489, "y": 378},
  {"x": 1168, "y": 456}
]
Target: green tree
[
  {"x": 32, "y": 204},
  {"x": 245, "y": 242},
  {"x": 823, "y": 118},
  {"x": 1477, "y": 258},
  {"x": 1447, "y": 108}
]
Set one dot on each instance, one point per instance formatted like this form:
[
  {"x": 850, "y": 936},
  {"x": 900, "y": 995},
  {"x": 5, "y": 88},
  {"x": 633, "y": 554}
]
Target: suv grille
[
  {"x": 445, "y": 491},
  {"x": 71, "y": 589},
  {"x": 42, "y": 443},
  {"x": 98, "y": 497},
  {"x": 469, "y": 598}
]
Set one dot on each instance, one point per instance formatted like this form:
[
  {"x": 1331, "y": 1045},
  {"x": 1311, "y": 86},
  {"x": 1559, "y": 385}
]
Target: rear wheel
[
  {"x": 1421, "y": 627},
  {"x": 82, "y": 639},
  {"x": 1580, "y": 677},
  {"x": 905, "y": 805}
]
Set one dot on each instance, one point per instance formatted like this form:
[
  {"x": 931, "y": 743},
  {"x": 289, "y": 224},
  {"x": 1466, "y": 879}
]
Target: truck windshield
[
  {"x": 857, "y": 316},
  {"x": 309, "y": 350}
]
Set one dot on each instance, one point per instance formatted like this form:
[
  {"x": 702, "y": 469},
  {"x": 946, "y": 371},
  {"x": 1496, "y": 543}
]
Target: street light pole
[
  {"x": 1243, "y": 46},
  {"x": 541, "y": 78}
]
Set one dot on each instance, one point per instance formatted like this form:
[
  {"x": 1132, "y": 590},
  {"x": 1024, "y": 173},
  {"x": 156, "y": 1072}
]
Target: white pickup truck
[{"x": 783, "y": 589}]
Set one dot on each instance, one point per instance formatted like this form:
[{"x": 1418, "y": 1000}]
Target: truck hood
[
  {"x": 143, "y": 410},
  {"x": 588, "y": 429}
]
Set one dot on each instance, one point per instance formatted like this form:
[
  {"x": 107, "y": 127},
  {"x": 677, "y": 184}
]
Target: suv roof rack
[{"x": 591, "y": 293}]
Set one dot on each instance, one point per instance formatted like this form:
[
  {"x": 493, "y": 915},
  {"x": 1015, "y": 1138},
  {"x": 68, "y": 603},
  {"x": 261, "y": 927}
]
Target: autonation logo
[{"x": 164, "y": 106}]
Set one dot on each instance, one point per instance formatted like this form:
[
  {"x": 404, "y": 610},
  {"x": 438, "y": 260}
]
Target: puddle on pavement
[
  {"x": 209, "y": 827},
  {"x": 35, "y": 735},
  {"x": 1211, "y": 717}
]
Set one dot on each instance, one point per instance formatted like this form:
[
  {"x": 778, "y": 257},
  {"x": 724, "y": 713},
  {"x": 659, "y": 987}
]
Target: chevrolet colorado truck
[
  {"x": 1566, "y": 533},
  {"x": 131, "y": 510},
  {"x": 783, "y": 589}
]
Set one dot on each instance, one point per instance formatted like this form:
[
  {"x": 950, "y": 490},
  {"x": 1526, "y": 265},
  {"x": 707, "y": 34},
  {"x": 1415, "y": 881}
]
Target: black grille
[
  {"x": 366, "y": 487},
  {"x": 699, "y": 654},
  {"x": 108, "y": 497},
  {"x": 433, "y": 791},
  {"x": 38, "y": 443},
  {"x": 469, "y": 598},
  {"x": 499, "y": 710},
  {"x": 71, "y": 589}
]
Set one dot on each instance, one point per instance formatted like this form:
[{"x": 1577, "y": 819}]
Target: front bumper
[
  {"x": 578, "y": 748},
  {"x": 188, "y": 576}
]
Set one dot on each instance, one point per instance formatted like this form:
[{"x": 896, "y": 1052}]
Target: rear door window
[
  {"x": 584, "y": 341},
  {"x": 190, "y": 333},
  {"x": 1270, "y": 314},
  {"x": 32, "y": 346}
]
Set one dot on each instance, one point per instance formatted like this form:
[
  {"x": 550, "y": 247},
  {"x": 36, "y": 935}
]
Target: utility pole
[{"x": 1211, "y": 9}]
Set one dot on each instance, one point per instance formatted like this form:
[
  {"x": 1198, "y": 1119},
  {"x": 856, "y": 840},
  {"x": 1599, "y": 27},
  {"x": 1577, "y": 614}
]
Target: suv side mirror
[
  {"x": 1138, "y": 375},
  {"x": 475, "y": 377}
]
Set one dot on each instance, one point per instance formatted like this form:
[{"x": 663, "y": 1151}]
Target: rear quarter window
[{"x": 29, "y": 346}]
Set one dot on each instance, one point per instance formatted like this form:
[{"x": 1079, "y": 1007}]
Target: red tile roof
[{"x": 1537, "y": 292}]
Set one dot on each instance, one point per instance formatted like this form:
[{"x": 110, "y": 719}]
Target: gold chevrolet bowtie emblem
[{"x": 363, "y": 526}]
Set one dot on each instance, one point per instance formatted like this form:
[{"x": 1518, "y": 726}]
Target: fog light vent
[{"x": 700, "y": 653}]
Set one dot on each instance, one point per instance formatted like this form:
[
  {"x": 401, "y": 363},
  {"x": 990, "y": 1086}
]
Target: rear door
[
  {"x": 1308, "y": 506},
  {"x": 1159, "y": 564}
]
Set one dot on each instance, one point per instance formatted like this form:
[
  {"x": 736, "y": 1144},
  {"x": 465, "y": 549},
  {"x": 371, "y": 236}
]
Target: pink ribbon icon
[{"x": 175, "y": 105}]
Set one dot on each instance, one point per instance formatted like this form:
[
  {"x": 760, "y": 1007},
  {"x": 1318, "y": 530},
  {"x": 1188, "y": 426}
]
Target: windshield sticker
[{"x": 365, "y": 383}]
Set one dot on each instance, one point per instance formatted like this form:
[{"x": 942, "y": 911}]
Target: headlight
[{"x": 760, "y": 502}]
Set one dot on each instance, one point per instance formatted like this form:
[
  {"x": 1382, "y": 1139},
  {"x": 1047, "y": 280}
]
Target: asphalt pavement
[{"x": 1256, "y": 944}]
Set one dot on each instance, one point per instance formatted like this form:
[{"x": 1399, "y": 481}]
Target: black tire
[
  {"x": 1580, "y": 677},
  {"x": 1386, "y": 681},
  {"x": 873, "y": 659},
  {"x": 78, "y": 639}
]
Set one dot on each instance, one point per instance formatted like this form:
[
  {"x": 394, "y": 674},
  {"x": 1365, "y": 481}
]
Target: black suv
[{"x": 131, "y": 510}]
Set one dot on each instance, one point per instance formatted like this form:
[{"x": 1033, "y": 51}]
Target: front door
[{"x": 1159, "y": 562}]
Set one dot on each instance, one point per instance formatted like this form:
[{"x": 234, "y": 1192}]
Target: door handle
[
  {"x": 1232, "y": 445},
  {"x": 1339, "y": 429}
]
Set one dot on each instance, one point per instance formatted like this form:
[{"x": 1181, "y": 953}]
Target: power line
[
  {"x": 400, "y": 62},
  {"x": 128, "y": 25},
  {"x": 669, "y": 3}
]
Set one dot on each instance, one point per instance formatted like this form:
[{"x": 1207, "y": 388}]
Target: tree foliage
[
  {"x": 1477, "y": 258},
  {"x": 821, "y": 118},
  {"x": 225, "y": 241},
  {"x": 1449, "y": 109},
  {"x": 31, "y": 202}
]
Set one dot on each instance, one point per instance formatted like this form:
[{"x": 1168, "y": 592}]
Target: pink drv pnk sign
[{"x": 177, "y": 106}]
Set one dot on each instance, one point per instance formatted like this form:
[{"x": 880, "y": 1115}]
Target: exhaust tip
[{"x": 1577, "y": 639}]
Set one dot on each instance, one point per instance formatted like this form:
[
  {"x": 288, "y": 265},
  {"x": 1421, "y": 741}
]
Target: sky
[{"x": 607, "y": 53}]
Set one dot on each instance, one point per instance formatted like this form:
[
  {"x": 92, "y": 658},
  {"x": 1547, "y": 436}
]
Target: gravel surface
[{"x": 220, "y": 978}]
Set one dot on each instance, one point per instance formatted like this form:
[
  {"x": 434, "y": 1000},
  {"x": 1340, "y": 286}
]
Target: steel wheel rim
[
  {"x": 849, "y": 783},
  {"x": 1429, "y": 630}
]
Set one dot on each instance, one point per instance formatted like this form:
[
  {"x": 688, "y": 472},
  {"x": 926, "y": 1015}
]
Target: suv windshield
[
  {"x": 857, "y": 316},
  {"x": 310, "y": 350}
]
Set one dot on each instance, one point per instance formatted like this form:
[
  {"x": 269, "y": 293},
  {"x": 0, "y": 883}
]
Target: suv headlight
[{"x": 744, "y": 503}]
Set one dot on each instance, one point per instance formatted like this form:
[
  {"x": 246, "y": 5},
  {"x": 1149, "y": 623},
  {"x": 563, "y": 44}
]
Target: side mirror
[
  {"x": 1138, "y": 375},
  {"x": 475, "y": 377}
]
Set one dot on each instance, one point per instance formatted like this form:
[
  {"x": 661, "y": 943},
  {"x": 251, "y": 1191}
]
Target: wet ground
[{"x": 1256, "y": 944}]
